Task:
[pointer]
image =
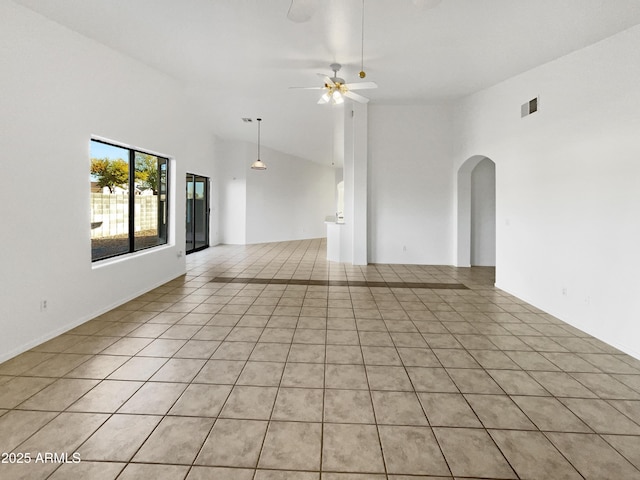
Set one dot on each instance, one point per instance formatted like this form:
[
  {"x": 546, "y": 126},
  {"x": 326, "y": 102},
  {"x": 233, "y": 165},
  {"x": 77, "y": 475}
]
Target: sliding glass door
[{"x": 197, "y": 214}]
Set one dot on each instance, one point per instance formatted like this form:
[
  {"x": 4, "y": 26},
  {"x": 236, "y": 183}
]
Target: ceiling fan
[{"x": 335, "y": 88}]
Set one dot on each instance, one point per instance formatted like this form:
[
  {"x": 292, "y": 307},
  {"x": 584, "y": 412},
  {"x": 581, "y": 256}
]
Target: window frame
[{"x": 132, "y": 196}]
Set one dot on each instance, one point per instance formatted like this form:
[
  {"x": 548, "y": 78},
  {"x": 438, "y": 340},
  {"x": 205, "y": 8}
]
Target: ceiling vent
[{"x": 530, "y": 107}]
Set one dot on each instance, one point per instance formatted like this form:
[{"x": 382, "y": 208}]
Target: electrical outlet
[
  {"x": 43, "y": 305},
  {"x": 564, "y": 291},
  {"x": 179, "y": 253},
  {"x": 404, "y": 248}
]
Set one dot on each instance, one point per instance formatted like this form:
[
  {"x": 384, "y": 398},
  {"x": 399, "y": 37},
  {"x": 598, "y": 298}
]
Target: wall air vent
[{"x": 530, "y": 107}]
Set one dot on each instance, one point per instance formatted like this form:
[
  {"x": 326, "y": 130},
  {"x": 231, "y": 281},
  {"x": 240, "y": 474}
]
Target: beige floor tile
[
  {"x": 307, "y": 375},
  {"x": 388, "y": 378},
  {"x": 98, "y": 367},
  {"x": 356, "y": 476},
  {"x": 176, "y": 440},
  {"x": 592, "y": 456},
  {"x": 426, "y": 379},
  {"x": 64, "y": 433},
  {"x": 346, "y": 377},
  {"x": 59, "y": 395},
  {"x": 106, "y": 397},
  {"x": 233, "y": 443},
  {"x": 344, "y": 354},
  {"x": 178, "y": 370},
  {"x": 86, "y": 470},
  {"x": 181, "y": 332},
  {"x": 411, "y": 450},
  {"x": 220, "y": 473},
  {"x": 212, "y": 333},
  {"x": 149, "y": 330},
  {"x": 601, "y": 416},
  {"x": 138, "y": 368},
  {"x": 23, "y": 362},
  {"x": 310, "y": 336},
  {"x": 606, "y": 386},
  {"x": 298, "y": 404},
  {"x": 153, "y": 398},
  {"x": 58, "y": 365},
  {"x": 472, "y": 453},
  {"x": 30, "y": 471},
  {"x": 284, "y": 475},
  {"x": 197, "y": 349},
  {"x": 455, "y": 358},
  {"x": 162, "y": 347},
  {"x": 418, "y": 357},
  {"x": 19, "y": 389},
  {"x": 550, "y": 415},
  {"x": 220, "y": 372},
  {"x": 270, "y": 352},
  {"x": 127, "y": 346},
  {"x": 16, "y": 426},
  {"x": 628, "y": 446},
  {"x": 515, "y": 382},
  {"x": 381, "y": 356},
  {"x": 250, "y": 403},
  {"x": 262, "y": 374},
  {"x": 499, "y": 411},
  {"x": 59, "y": 344},
  {"x": 448, "y": 410},
  {"x": 398, "y": 408},
  {"x": 233, "y": 351},
  {"x": 351, "y": 448},
  {"x": 292, "y": 446},
  {"x": 307, "y": 353},
  {"x": 493, "y": 359},
  {"x": 200, "y": 400},
  {"x": 348, "y": 406},
  {"x": 561, "y": 384},
  {"x": 157, "y": 472},
  {"x": 470, "y": 380},
  {"x": 119, "y": 438}
]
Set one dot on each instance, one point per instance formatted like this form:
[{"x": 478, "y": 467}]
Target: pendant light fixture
[{"x": 258, "y": 164}]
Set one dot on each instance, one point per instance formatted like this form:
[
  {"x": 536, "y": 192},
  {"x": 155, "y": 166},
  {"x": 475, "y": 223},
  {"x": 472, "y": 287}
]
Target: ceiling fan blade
[
  {"x": 356, "y": 97},
  {"x": 361, "y": 85},
  {"x": 301, "y": 11},
  {"x": 309, "y": 88},
  {"x": 326, "y": 79}
]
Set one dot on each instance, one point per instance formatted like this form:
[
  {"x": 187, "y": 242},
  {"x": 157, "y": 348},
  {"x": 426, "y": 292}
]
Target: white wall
[
  {"x": 568, "y": 196},
  {"x": 59, "y": 88},
  {"x": 410, "y": 184},
  {"x": 483, "y": 214},
  {"x": 231, "y": 191},
  {"x": 289, "y": 200}
]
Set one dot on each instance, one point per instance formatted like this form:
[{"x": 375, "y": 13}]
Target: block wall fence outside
[{"x": 113, "y": 211}]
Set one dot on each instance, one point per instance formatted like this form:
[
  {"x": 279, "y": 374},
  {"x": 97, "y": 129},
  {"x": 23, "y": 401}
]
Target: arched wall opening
[{"x": 476, "y": 203}]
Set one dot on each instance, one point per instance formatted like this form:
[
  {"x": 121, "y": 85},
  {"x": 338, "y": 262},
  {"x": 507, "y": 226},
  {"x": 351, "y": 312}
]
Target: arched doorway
[{"x": 476, "y": 198}]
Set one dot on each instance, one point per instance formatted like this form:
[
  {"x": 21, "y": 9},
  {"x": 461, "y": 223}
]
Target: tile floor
[{"x": 274, "y": 381}]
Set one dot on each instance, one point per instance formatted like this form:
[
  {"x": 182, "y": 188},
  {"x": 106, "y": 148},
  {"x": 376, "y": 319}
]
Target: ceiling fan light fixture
[{"x": 336, "y": 97}]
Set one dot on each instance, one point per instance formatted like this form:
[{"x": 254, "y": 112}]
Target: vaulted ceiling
[{"x": 237, "y": 58}]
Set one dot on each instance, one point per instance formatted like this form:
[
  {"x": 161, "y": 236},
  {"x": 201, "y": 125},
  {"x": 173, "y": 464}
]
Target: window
[{"x": 129, "y": 200}]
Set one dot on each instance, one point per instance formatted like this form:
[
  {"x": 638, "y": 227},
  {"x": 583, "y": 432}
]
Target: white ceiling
[{"x": 238, "y": 57}]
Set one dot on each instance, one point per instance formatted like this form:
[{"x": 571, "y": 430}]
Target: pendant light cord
[
  {"x": 362, "y": 41},
  {"x": 259, "y": 120}
]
